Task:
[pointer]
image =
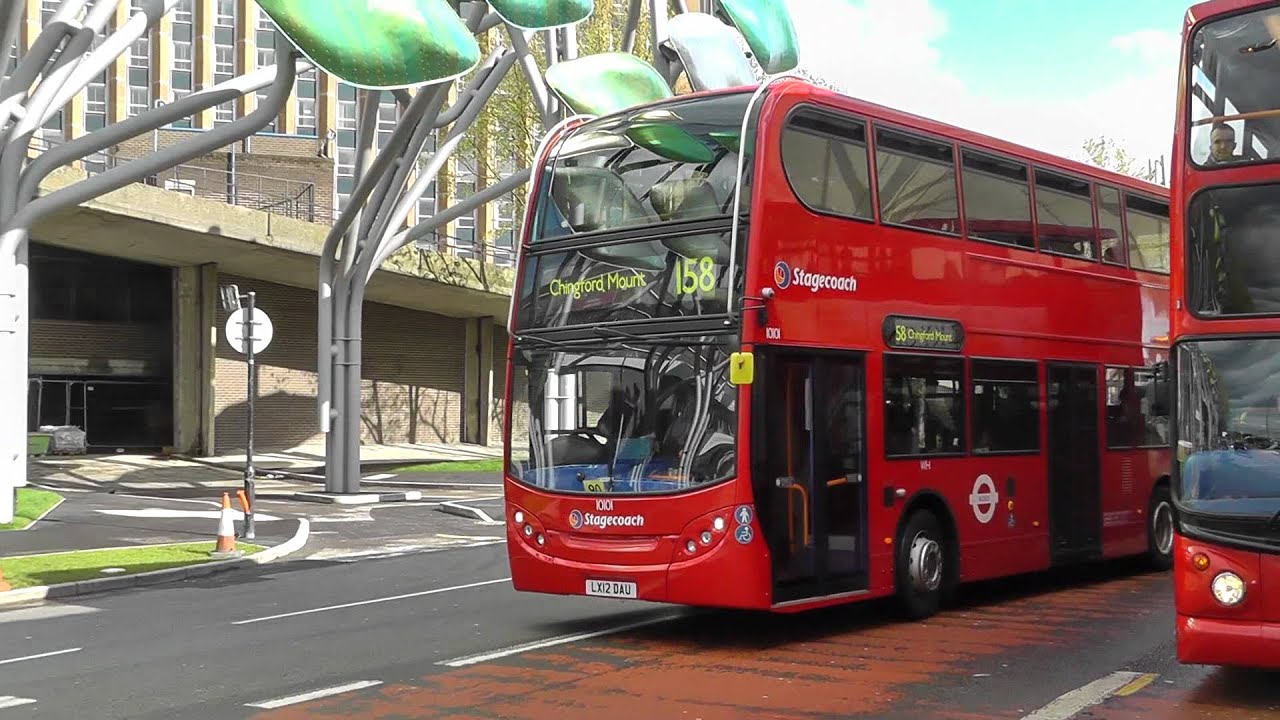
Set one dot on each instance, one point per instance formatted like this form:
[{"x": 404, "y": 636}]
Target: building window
[
  {"x": 139, "y": 72},
  {"x": 180, "y": 75},
  {"x": 306, "y": 94},
  {"x": 504, "y": 225},
  {"x": 265, "y": 40},
  {"x": 924, "y": 405},
  {"x": 224, "y": 61},
  {"x": 344, "y": 169},
  {"x": 464, "y": 233}
]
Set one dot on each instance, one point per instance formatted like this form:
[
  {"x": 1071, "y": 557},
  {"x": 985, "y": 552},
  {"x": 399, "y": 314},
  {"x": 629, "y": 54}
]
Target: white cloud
[{"x": 884, "y": 51}]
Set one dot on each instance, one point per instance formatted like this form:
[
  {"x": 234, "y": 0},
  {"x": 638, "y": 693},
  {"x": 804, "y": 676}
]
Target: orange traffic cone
[
  {"x": 226, "y": 532},
  {"x": 4, "y": 586}
]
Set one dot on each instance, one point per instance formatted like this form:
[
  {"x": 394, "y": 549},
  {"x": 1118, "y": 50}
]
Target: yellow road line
[{"x": 1136, "y": 684}]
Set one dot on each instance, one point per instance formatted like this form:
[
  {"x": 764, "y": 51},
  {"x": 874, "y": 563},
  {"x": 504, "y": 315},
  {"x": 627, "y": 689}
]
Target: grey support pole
[
  {"x": 633, "y": 24},
  {"x": 365, "y": 268},
  {"x": 657, "y": 34},
  {"x": 251, "y": 393}
]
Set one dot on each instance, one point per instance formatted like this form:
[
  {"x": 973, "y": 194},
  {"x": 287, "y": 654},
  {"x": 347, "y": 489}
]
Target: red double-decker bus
[
  {"x": 1226, "y": 335},
  {"x": 778, "y": 348}
]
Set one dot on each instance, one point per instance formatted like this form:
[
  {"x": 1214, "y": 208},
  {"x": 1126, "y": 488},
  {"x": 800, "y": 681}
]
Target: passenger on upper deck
[{"x": 1222, "y": 145}]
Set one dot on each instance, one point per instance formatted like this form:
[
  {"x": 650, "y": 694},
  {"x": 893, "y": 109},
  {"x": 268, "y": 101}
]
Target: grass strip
[{"x": 54, "y": 568}]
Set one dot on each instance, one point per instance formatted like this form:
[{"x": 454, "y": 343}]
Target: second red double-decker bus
[
  {"x": 1226, "y": 334},
  {"x": 778, "y": 348}
]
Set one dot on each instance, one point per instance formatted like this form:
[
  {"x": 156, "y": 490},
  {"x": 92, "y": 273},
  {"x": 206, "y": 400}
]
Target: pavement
[{"x": 131, "y": 500}]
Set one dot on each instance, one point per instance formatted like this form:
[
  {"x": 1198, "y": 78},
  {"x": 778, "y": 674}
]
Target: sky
[{"x": 1049, "y": 74}]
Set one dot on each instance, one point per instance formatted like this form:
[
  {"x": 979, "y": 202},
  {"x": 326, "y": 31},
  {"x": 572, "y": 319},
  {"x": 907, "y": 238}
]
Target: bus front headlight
[{"x": 1228, "y": 588}]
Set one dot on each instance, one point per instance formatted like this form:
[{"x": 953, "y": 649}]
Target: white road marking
[
  {"x": 9, "y": 701},
  {"x": 406, "y": 596},
  {"x": 41, "y": 655},
  {"x": 378, "y": 476},
  {"x": 1068, "y": 704},
  {"x": 552, "y": 642},
  {"x": 44, "y": 612},
  {"x": 314, "y": 695}
]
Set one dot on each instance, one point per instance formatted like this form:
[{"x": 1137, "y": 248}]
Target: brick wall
[
  {"x": 273, "y": 175},
  {"x": 412, "y": 375}
]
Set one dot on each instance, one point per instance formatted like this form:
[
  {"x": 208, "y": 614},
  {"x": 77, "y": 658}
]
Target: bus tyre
[
  {"x": 919, "y": 566},
  {"x": 1161, "y": 521}
]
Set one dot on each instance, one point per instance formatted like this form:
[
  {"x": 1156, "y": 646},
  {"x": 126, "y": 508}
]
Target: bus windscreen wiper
[{"x": 545, "y": 342}]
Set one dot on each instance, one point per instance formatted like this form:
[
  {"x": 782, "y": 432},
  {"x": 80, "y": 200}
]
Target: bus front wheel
[
  {"x": 1161, "y": 521},
  {"x": 920, "y": 565}
]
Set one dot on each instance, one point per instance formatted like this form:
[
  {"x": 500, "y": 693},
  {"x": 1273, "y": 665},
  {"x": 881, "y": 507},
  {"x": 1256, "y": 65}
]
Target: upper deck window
[
  {"x": 1110, "y": 228},
  {"x": 1235, "y": 90},
  {"x": 665, "y": 163},
  {"x": 1064, "y": 215},
  {"x": 1148, "y": 222},
  {"x": 997, "y": 199},
  {"x": 825, "y": 159},
  {"x": 917, "y": 181}
]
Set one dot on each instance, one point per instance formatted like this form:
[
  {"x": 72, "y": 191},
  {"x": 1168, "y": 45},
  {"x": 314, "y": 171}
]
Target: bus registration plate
[{"x": 611, "y": 588}]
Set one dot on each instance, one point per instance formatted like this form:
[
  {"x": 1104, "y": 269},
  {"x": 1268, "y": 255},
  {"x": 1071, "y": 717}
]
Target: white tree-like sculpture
[{"x": 378, "y": 46}]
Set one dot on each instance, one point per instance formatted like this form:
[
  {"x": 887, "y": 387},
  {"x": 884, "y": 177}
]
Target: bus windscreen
[
  {"x": 1235, "y": 96},
  {"x": 624, "y": 417},
  {"x": 661, "y": 164}
]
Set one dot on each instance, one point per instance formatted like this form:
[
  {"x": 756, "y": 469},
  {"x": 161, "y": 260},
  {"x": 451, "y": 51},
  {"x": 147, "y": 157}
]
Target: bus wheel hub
[
  {"x": 1163, "y": 525},
  {"x": 925, "y": 565}
]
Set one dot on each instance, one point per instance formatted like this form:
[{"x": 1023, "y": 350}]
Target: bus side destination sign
[{"x": 923, "y": 333}]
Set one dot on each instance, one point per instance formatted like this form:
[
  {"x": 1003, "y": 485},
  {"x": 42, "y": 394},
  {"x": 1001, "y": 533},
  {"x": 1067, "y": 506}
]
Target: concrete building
[{"x": 127, "y": 338}]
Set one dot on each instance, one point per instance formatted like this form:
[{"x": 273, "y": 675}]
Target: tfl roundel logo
[
  {"x": 575, "y": 519},
  {"x": 782, "y": 275}
]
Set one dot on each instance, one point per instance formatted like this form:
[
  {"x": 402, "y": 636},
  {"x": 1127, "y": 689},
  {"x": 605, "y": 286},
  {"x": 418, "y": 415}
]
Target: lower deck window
[{"x": 924, "y": 406}]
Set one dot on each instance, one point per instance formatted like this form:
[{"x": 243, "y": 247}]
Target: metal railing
[{"x": 276, "y": 195}]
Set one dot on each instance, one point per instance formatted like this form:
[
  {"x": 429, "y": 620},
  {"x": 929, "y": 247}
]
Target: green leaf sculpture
[
  {"x": 766, "y": 26},
  {"x": 379, "y": 44},
  {"x": 605, "y": 83},
  {"x": 542, "y": 14},
  {"x": 710, "y": 52}
]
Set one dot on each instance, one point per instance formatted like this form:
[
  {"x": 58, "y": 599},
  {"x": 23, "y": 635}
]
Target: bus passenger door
[
  {"x": 1075, "y": 485},
  {"x": 815, "y": 506}
]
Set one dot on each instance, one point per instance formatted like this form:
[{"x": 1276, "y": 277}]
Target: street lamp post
[{"x": 247, "y": 318}]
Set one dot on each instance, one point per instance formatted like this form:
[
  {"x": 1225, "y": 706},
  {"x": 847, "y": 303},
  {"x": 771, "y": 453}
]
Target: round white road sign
[{"x": 236, "y": 330}]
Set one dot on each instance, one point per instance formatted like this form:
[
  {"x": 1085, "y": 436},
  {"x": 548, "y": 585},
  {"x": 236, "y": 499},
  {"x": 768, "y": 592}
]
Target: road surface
[{"x": 441, "y": 635}]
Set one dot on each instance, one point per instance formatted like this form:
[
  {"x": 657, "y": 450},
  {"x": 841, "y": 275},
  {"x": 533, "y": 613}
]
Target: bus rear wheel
[
  {"x": 1161, "y": 521},
  {"x": 920, "y": 565}
]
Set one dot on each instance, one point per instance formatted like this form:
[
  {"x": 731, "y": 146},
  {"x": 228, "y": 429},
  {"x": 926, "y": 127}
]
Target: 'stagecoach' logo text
[
  {"x": 784, "y": 276},
  {"x": 578, "y": 519}
]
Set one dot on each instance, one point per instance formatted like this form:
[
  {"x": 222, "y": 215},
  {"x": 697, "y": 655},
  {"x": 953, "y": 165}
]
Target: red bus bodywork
[
  {"x": 995, "y": 510},
  {"x": 1209, "y": 632}
]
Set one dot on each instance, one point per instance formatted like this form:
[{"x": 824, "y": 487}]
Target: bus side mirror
[
  {"x": 1161, "y": 388},
  {"x": 1160, "y": 402},
  {"x": 742, "y": 368}
]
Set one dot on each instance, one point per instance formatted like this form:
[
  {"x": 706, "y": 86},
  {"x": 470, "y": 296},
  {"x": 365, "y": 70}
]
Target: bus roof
[
  {"x": 1209, "y": 8},
  {"x": 795, "y": 86}
]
